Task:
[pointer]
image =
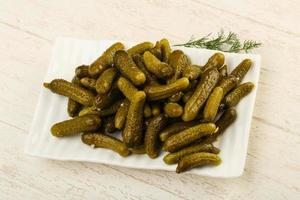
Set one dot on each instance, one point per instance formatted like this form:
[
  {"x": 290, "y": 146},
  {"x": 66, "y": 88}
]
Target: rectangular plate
[{"x": 70, "y": 53}]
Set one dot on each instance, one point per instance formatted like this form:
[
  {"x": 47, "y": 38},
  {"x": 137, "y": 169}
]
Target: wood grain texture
[{"x": 27, "y": 33}]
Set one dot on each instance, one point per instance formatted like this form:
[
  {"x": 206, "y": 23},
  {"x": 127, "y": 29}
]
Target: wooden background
[{"x": 27, "y": 32}]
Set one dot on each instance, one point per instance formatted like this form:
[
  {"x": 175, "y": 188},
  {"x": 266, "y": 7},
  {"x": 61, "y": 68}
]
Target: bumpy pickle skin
[
  {"x": 99, "y": 140},
  {"x": 82, "y": 71},
  {"x": 212, "y": 104},
  {"x": 165, "y": 91},
  {"x": 110, "y": 110},
  {"x": 173, "y": 110},
  {"x": 138, "y": 150},
  {"x": 147, "y": 110},
  {"x": 178, "y": 61},
  {"x": 73, "y": 106},
  {"x": 128, "y": 68},
  {"x": 150, "y": 78},
  {"x": 228, "y": 83},
  {"x": 105, "y": 60},
  {"x": 241, "y": 70},
  {"x": 192, "y": 72},
  {"x": 175, "y": 128},
  {"x": 226, "y": 119},
  {"x": 214, "y": 62},
  {"x": 105, "y": 80},
  {"x": 104, "y": 100},
  {"x": 89, "y": 83},
  {"x": 73, "y": 91},
  {"x": 140, "y": 48},
  {"x": 121, "y": 114},
  {"x": 165, "y": 49},
  {"x": 192, "y": 107},
  {"x": 173, "y": 158},
  {"x": 154, "y": 65},
  {"x": 156, "y": 124},
  {"x": 92, "y": 110},
  {"x": 188, "y": 136},
  {"x": 176, "y": 97},
  {"x": 234, "y": 97},
  {"x": 133, "y": 131},
  {"x": 76, "y": 125},
  {"x": 127, "y": 88},
  {"x": 109, "y": 125},
  {"x": 197, "y": 160}
]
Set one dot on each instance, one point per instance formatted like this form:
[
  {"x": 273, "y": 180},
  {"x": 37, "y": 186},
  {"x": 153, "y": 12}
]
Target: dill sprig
[{"x": 223, "y": 42}]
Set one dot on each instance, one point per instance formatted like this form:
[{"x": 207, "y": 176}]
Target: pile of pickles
[{"x": 157, "y": 99}]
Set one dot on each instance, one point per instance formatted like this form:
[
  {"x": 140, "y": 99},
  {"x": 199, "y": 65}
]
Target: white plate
[{"x": 69, "y": 53}]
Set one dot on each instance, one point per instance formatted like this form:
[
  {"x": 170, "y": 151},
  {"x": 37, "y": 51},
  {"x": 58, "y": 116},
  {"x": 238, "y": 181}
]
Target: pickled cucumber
[
  {"x": 228, "y": 83},
  {"x": 105, "y": 60},
  {"x": 104, "y": 100},
  {"x": 165, "y": 49},
  {"x": 175, "y": 128},
  {"x": 99, "y": 140},
  {"x": 76, "y": 125},
  {"x": 223, "y": 71},
  {"x": 110, "y": 110},
  {"x": 73, "y": 106},
  {"x": 165, "y": 91},
  {"x": 105, "y": 80},
  {"x": 140, "y": 48},
  {"x": 128, "y": 68},
  {"x": 89, "y": 83},
  {"x": 92, "y": 110},
  {"x": 82, "y": 71},
  {"x": 214, "y": 62},
  {"x": 156, "y": 124},
  {"x": 173, "y": 110},
  {"x": 192, "y": 72},
  {"x": 197, "y": 160},
  {"x": 173, "y": 158},
  {"x": 187, "y": 96},
  {"x": 241, "y": 70},
  {"x": 178, "y": 61},
  {"x": 155, "y": 66},
  {"x": 196, "y": 101},
  {"x": 73, "y": 91},
  {"x": 212, "y": 104},
  {"x": 109, "y": 125},
  {"x": 126, "y": 87},
  {"x": 237, "y": 94},
  {"x": 150, "y": 78},
  {"x": 138, "y": 150},
  {"x": 176, "y": 97},
  {"x": 188, "y": 136},
  {"x": 155, "y": 108},
  {"x": 147, "y": 110},
  {"x": 133, "y": 131},
  {"x": 121, "y": 114}
]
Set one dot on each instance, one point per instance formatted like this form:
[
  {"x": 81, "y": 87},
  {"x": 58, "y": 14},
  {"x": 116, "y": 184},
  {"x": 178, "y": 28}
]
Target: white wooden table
[{"x": 27, "y": 33}]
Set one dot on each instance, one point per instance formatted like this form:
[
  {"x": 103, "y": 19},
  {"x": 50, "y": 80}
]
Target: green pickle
[
  {"x": 154, "y": 65},
  {"x": 105, "y": 80},
  {"x": 140, "y": 48},
  {"x": 126, "y": 87},
  {"x": 197, "y": 160},
  {"x": 214, "y": 62},
  {"x": 89, "y": 83},
  {"x": 138, "y": 150},
  {"x": 111, "y": 109},
  {"x": 176, "y": 97},
  {"x": 147, "y": 110},
  {"x": 173, "y": 110},
  {"x": 223, "y": 70},
  {"x": 155, "y": 108},
  {"x": 82, "y": 71},
  {"x": 104, "y": 100},
  {"x": 175, "y": 128},
  {"x": 105, "y": 60},
  {"x": 238, "y": 93},
  {"x": 178, "y": 61},
  {"x": 228, "y": 83},
  {"x": 192, "y": 107},
  {"x": 128, "y": 68},
  {"x": 92, "y": 110},
  {"x": 73, "y": 91},
  {"x": 99, "y": 140},
  {"x": 150, "y": 78},
  {"x": 173, "y": 158},
  {"x": 109, "y": 125},
  {"x": 212, "y": 104},
  {"x": 165, "y": 49},
  {"x": 121, "y": 114},
  {"x": 241, "y": 70},
  {"x": 192, "y": 72},
  {"x": 156, "y": 124},
  {"x": 165, "y": 91},
  {"x": 188, "y": 136},
  {"x": 76, "y": 125},
  {"x": 73, "y": 106},
  {"x": 187, "y": 96},
  {"x": 133, "y": 131}
]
